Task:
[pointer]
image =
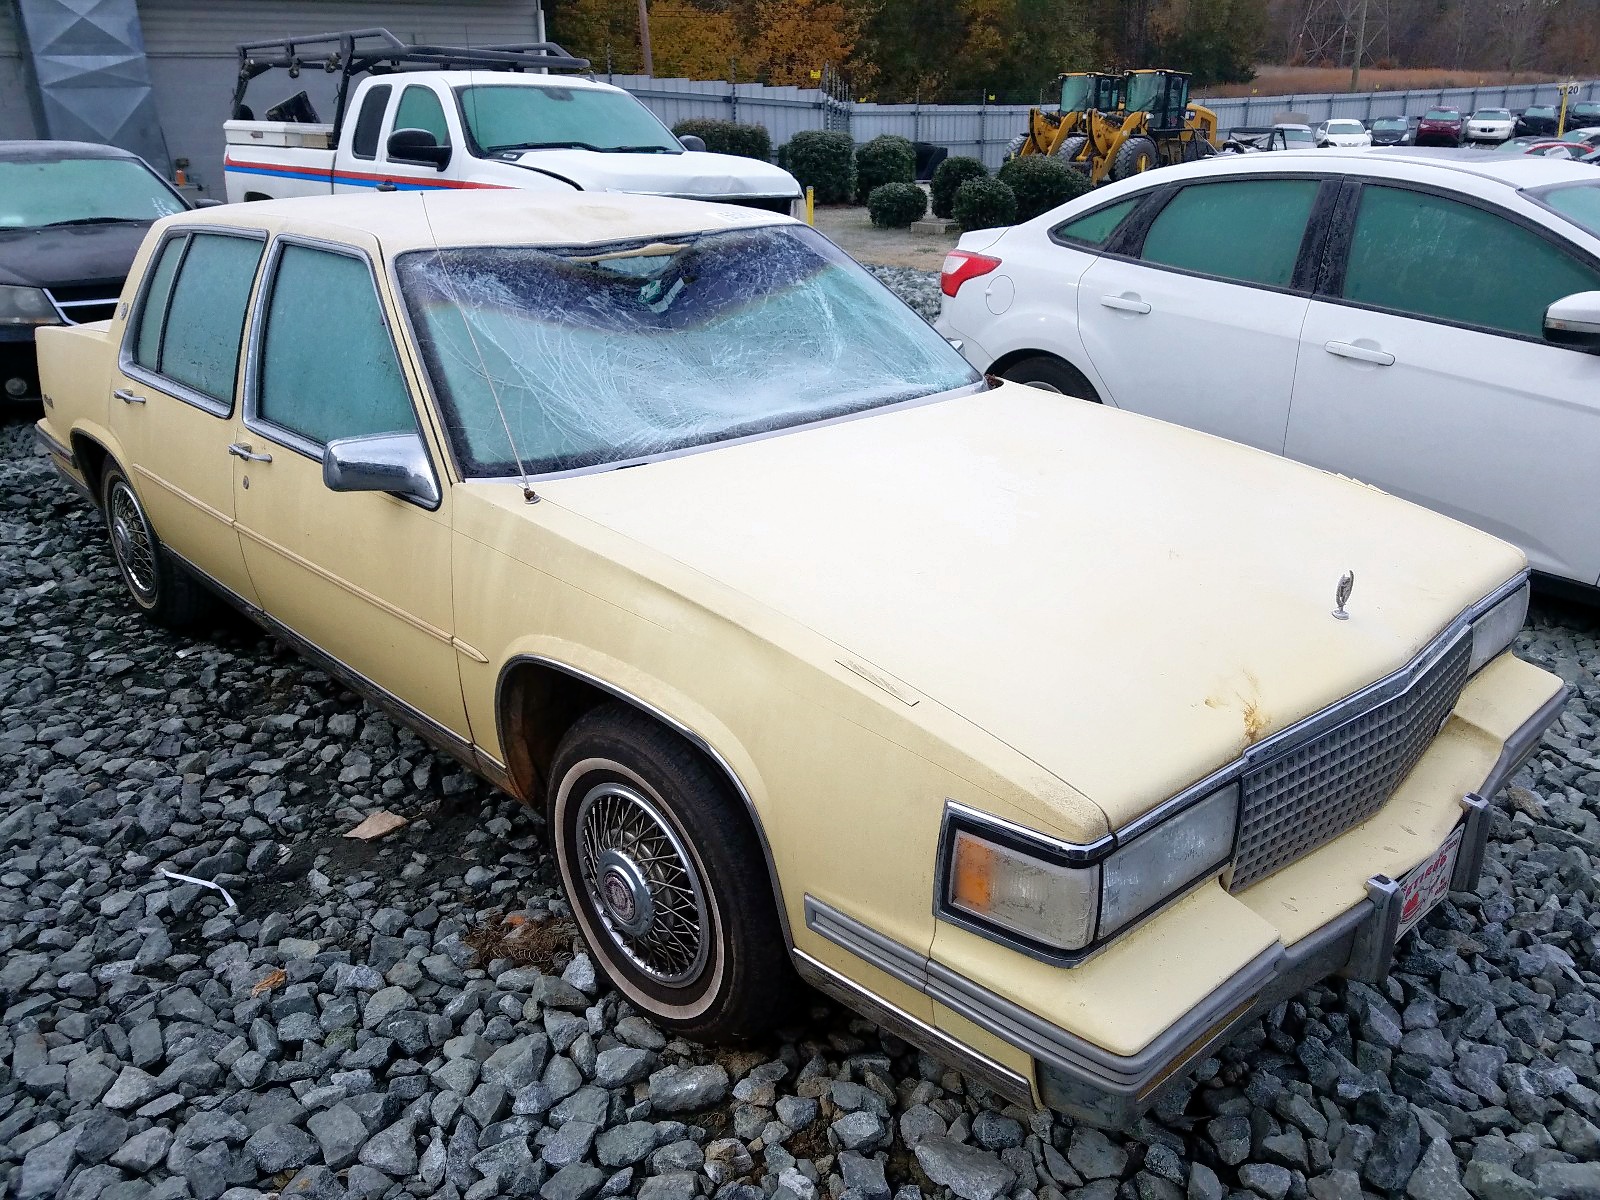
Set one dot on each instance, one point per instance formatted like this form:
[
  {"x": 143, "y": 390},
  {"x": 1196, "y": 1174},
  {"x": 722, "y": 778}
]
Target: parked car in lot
[
  {"x": 1390, "y": 131},
  {"x": 1539, "y": 120},
  {"x": 1440, "y": 127},
  {"x": 1424, "y": 320},
  {"x": 1583, "y": 113},
  {"x": 625, "y": 502},
  {"x": 1490, "y": 125},
  {"x": 1340, "y": 132},
  {"x": 1289, "y": 136},
  {"x": 72, "y": 216},
  {"x": 496, "y": 118},
  {"x": 1589, "y": 136}
]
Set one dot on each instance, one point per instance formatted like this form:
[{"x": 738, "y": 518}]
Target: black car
[
  {"x": 72, "y": 216},
  {"x": 1538, "y": 121},
  {"x": 1390, "y": 131}
]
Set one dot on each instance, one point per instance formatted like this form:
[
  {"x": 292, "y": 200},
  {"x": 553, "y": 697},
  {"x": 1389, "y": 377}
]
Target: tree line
[{"x": 1008, "y": 51}]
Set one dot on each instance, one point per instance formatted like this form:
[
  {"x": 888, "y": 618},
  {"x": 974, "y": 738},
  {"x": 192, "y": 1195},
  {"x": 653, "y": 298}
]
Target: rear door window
[
  {"x": 153, "y": 308},
  {"x": 364, "y": 142},
  {"x": 1096, "y": 228},
  {"x": 198, "y": 341},
  {"x": 1247, "y": 230},
  {"x": 1429, "y": 256}
]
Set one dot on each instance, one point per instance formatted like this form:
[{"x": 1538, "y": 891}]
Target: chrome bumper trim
[{"x": 1520, "y": 745}]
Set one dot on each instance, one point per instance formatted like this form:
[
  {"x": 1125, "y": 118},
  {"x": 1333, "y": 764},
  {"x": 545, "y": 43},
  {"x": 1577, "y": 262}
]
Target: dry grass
[
  {"x": 1300, "y": 81},
  {"x": 521, "y": 940}
]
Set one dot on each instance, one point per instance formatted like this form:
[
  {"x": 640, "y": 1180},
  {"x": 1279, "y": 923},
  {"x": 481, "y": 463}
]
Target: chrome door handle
[
  {"x": 1360, "y": 353},
  {"x": 387, "y": 186},
  {"x": 240, "y": 450},
  {"x": 128, "y": 397},
  {"x": 1125, "y": 304}
]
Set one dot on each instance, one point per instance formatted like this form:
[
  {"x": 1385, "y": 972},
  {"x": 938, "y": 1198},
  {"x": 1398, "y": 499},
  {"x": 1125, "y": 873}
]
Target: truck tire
[
  {"x": 159, "y": 588},
  {"x": 1134, "y": 157},
  {"x": 667, "y": 878},
  {"x": 1014, "y": 146}
]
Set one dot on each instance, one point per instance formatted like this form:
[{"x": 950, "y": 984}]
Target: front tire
[
  {"x": 158, "y": 588},
  {"x": 1134, "y": 157},
  {"x": 667, "y": 878}
]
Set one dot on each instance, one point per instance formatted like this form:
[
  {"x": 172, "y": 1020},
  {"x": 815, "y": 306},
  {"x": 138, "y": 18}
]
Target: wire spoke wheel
[
  {"x": 132, "y": 543},
  {"x": 642, "y": 883}
]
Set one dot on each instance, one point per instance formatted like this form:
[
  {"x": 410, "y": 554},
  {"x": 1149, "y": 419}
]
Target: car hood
[
  {"x": 70, "y": 254},
  {"x": 1126, "y": 602},
  {"x": 1349, "y": 139},
  {"x": 692, "y": 173}
]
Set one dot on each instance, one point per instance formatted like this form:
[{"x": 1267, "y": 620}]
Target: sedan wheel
[
  {"x": 667, "y": 877},
  {"x": 163, "y": 592}
]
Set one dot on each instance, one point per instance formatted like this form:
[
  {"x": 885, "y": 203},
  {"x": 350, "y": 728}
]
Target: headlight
[
  {"x": 1494, "y": 628},
  {"x": 26, "y": 306},
  {"x": 1053, "y": 900}
]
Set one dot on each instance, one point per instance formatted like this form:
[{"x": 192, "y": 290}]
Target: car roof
[
  {"x": 500, "y": 217},
  {"x": 41, "y": 151},
  {"x": 1513, "y": 170}
]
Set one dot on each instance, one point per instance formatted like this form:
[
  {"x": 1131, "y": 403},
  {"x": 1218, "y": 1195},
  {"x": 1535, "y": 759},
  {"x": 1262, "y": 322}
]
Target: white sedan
[
  {"x": 1426, "y": 321},
  {"x": 1490, "y": 125},
  {"x": 1340, "y": 131}
]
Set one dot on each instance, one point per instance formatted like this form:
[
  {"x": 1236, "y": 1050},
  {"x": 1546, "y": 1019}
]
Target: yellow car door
[
  {"x": 174, "y": 410},
  {"x": 361, "y": 575}
]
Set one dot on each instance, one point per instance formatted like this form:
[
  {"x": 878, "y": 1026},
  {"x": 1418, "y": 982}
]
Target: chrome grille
[{"x": 1314, "y": 790}]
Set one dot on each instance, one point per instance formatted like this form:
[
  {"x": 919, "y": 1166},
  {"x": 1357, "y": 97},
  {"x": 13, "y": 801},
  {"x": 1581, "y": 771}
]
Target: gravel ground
[
  {"x": 413, "y": 1016},
  {"x": 919, "y": 289}
]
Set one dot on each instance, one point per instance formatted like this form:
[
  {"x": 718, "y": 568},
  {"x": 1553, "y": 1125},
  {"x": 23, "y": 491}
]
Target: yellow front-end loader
[
  {"x": 1064, "y": 133},
  {"x": 1155, "y": 126}
]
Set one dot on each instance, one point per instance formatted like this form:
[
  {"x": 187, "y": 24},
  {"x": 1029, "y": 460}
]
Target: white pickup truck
[{"x": 428, "y": 117}]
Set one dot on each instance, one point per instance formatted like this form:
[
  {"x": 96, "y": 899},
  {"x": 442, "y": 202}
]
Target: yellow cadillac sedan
[{"x": 1058, "y": 740}]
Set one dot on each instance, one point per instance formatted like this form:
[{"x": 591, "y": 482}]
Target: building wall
[{"x": 16, "y": 107}]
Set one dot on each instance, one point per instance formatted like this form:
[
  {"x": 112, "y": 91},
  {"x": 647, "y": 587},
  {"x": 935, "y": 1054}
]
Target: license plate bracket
[{"x": 1426, "y": 884}]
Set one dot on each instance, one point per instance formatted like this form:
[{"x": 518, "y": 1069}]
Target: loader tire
[{"x": 1134, "y": 157}]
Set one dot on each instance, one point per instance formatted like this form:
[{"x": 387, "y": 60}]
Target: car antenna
[{"x": 528, "y": 494}]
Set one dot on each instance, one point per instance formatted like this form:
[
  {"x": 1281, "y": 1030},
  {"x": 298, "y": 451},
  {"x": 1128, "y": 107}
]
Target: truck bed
[{"x": 277, "y": 159}]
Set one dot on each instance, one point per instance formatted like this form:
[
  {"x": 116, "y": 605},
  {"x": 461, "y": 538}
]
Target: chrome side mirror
[
  {"x": 396, "y": 463},
  {"x": 1574, "y": 321}
]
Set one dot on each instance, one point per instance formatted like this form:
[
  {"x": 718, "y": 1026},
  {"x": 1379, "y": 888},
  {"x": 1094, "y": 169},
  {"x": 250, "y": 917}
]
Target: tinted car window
[
  {"x": 153, "y": 309},
  {"x": 364, "y": 144},
  {"x": 1434, "y": 257},
  {"x": 1095, "y": 228},
  {"x": 1578, "y": 203},
  {"x": 205, "y": 318},
  {"x": 420, "y": 109},
  {"x": 1249, "y": 230},
  {"x": 328, "y": 366}
]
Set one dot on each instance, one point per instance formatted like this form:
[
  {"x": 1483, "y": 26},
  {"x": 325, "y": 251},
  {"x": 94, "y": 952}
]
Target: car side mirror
[
  {"x": 1574, "y": 321},
  {"x": 207, "y": 202},
  {"x": 419, "y": 146},
  {"x": 692, "y": 141},
  {"x": 396, "y": 463}
]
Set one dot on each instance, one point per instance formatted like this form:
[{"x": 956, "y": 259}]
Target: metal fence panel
[{"x": 985, "y": 131}]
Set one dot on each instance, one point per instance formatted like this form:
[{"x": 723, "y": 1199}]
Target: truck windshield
[
  {"x": 1077, "y": 93},
  {"x": 41, "y": 191},
  {"x": 573, "y": 359},
  {"x": 533, "y": 117}
]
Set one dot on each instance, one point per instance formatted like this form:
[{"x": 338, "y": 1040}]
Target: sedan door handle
[
  {"x": 128, "y": 397},
  {"x": 1125, "y": 304},
  {"x": 240, "y": 450},
  {"x": 1361, "y": 353}
]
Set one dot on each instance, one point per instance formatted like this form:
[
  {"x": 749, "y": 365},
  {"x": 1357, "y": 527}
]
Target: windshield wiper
[
  {"x": 642, "y": 150},
  {"x": 93, "y": 221},
  {"x": 542, "y": 146}
]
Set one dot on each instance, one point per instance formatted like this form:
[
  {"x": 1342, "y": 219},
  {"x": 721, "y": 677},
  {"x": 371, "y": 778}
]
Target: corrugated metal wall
[
  {"x": 16, "y": 109},
  {"x": 1364, "y": 106},
  {"x": 193, "y": 60}
]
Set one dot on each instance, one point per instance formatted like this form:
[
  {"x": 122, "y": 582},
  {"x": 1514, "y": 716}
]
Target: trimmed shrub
[
  {"x": 896, "y": 205},
  {"x": 729, "y": 137},
  {"x": 1040, "y": 182},
  {"x": 948, "y": 176},
  {"x": 885, "y": 159},
  {"x": 824, "y": 159},
  {"x": 984, "y": 204}
]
